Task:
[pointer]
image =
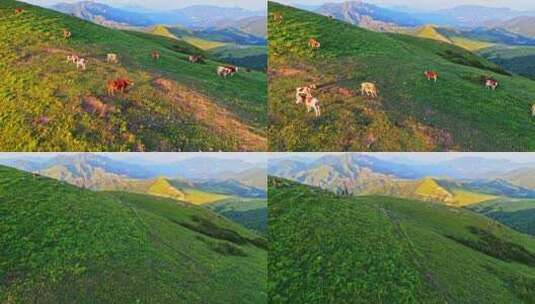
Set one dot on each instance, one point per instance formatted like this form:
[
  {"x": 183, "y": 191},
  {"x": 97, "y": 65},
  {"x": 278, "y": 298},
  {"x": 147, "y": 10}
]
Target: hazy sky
[
  {"x": 426, "y": 157},
  {"x": 167, "y": 4},
  {"x": 432, "y": 4},
  {"x": 160, "y": 158}
]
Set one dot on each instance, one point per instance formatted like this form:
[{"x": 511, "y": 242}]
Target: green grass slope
[
  {"x": 411, "y": 113},
  {"x": 251, "y": 213},
  {"x": 47, "y": 105},
  {"x": 518, "y": 214},
  {"x": 62, "y": 244},
  {"x": 330, "y": 249},
  {"x": 519, "y": 59}
]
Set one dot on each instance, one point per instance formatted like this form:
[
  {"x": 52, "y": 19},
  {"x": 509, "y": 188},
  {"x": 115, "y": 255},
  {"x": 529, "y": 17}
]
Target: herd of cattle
[
  {"x": 368, "y": 89},
  {"x": 122, "y": 84},
  {"x": 304, "y": 94}
]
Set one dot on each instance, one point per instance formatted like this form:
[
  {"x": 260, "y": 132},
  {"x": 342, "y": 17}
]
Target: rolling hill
[
  {"x": 332, "y": 249},
  {"x": 460, "y": 182},
  {"x": 411, "y": 113},
  {"x": 63, "y": 244},
  {"x": 173, "y": 106},
  {"x": 251, "y": 213},
  {"x": 515, "y": 213},
  {"x": 190, "y": 16}
]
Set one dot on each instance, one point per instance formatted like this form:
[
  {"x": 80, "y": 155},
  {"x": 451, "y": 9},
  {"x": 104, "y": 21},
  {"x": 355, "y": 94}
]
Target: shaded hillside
[
  {"x": 62, "y": 244},
  {"x": 251, "y": 213},
  {"x": 173, "y": 106},
  {"x": 331, "y": 249},
  {"x": 515, "y": 213},
  {"x": 410, "y": 114},
  {"x": 518, "y": 59}
]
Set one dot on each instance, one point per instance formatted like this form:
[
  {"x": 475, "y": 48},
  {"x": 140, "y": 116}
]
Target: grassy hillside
[
  {"x": 254, "y": 57},
  {"x": 515, "y": 213},
  {"x": 519, "y": 59},
  {"x": 62, "y": 244},
  {"x": 174, "y": 105},
  {"x": 251, "y": 213},
  {"x": 411, "y": 113},
  {"x": 331, "y": 249}
]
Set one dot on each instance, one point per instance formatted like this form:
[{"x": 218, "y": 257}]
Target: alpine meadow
[
  {"x": 391, "y": 228},
  {"x": 386, "y": 80},
  {"x": 70, "y": 84},
  {"x": 84, "y": 228}
]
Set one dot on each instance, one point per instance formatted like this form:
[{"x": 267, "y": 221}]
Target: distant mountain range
[
  {"x": 198, "y": 16},
  {"x": 455, "y": 182},
  {"x": 198, "y": 180},
  {"x": 379, "y": 18}
]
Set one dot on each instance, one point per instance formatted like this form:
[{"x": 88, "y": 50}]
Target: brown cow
[
  {"x": 155, "y": 55},
  {"x": 120, "y": 84},
  {"x": 19, "y": 11},
  {"x": 431, "y": 75},
  {"x": 313, "y": 43},
  {"x": 66, "y": 34}
]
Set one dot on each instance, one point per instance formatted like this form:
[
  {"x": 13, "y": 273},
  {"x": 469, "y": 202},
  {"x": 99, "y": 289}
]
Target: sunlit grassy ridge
[
  {"x": 62, "y": 244},
  {"x": 46, "y": 103},
  {"x": 331, "y": 249},
  {"x": 411, "y": 113}
]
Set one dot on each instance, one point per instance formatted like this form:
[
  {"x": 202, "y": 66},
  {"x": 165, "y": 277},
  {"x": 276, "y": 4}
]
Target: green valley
[
  {"x": 327, "y": 248},
  {"x": 63, "y": 244}
]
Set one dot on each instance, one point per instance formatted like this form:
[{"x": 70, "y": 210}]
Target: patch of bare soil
[
  {"x": 95, "y": 106},
  {"x": 52, "y": 50},
  {"x": 285, "y": 72},
  {"x": 212, "y": 115},
  {"x": 433, "y": 137}
]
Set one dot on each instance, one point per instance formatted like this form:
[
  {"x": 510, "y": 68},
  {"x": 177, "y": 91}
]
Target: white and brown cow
[
  {"x": 312, "y": 103},
  {"x": 301, "y": 93},
  {"x": 368, "y": 89},
  {"x": 80, "y": 63},
  {"x": 72, "y": 58},
  {"x": 112, "y": 58},
  {"x": 491, "y": 84},
  {"x": 225, "y": 71}
]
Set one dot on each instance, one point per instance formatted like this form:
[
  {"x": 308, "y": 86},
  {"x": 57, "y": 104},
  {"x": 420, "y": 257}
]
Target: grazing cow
[
  {"x": 80, "y": 63},
  {"x": 233, "y": 69},
  {"x": 195, "y": 59},
  {"x": 120, "y": 84},
  {"x": 313, "y": 43},
  {"x": 491, "y": 84},
  {"x": 66, "y": 34},
  {"x": 112, "y": 58},
  {"x": 19, "y": 11},
  {"x": 72, "y": 58},
  {"x": 533, "y": 110},
  {"x": 431, "y": 75},
  {"x": 277, "y": 17},
  {"x": 368, "y": 89},
  {"x": 223, "y": 71},
  {"x": 312, "y": 103},
  {"x": 155, "y": 55},
  {"x": 302, "y": 93}
]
